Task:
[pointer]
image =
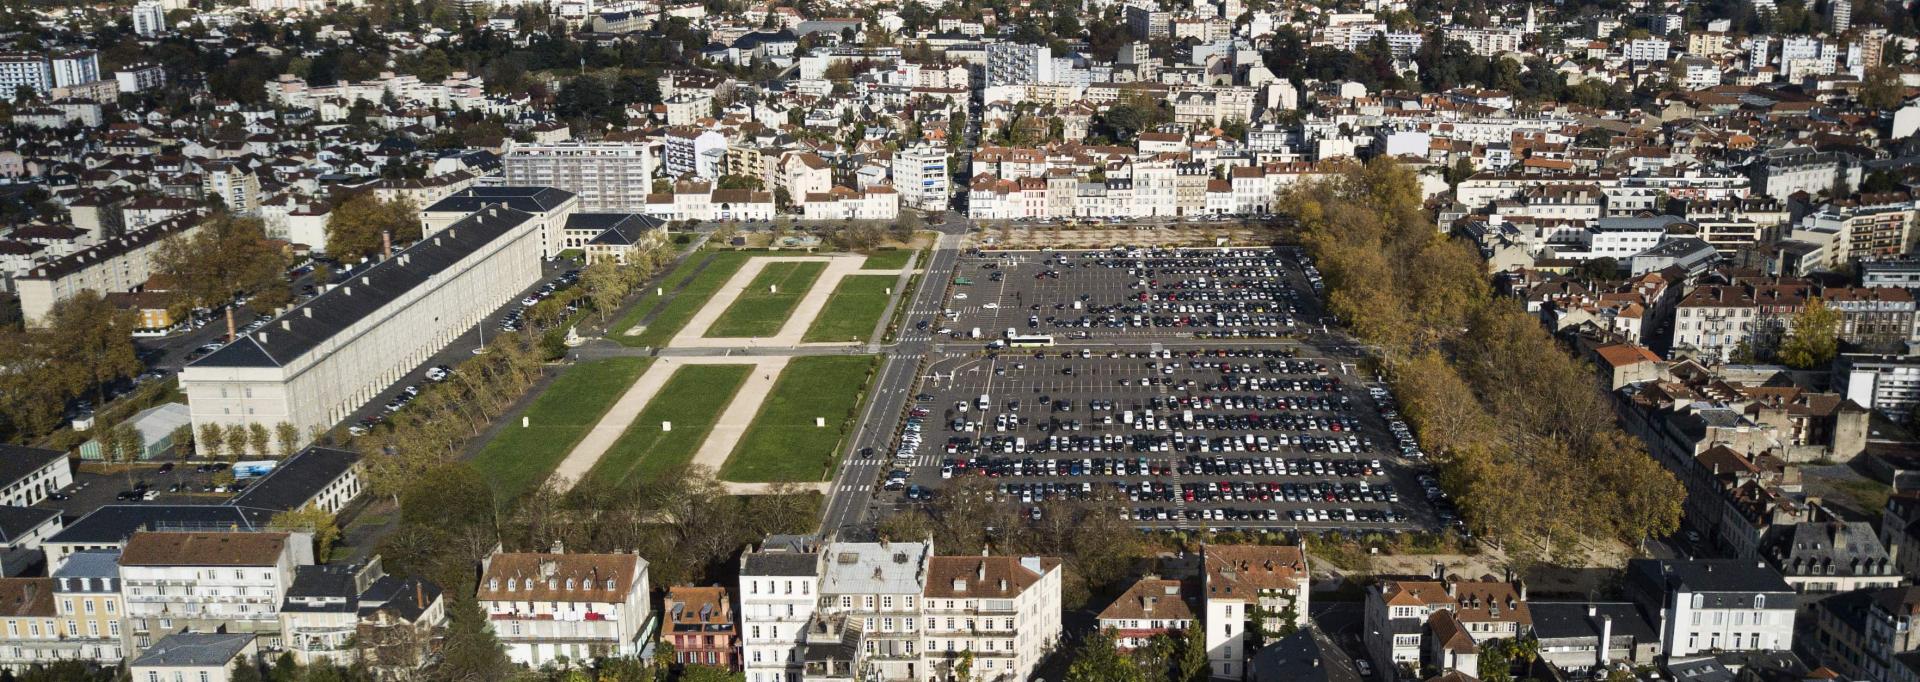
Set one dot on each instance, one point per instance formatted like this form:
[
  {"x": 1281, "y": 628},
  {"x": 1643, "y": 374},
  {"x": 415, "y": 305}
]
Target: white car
[
  {"x": 988, "y": 306},
  {"x": 960, "y": 296}
]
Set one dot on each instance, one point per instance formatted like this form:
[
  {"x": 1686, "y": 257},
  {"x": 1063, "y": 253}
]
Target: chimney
[
  {"x": 386, "y": 243},
  {"x": 1606, "y": 639},
  {"x": 419, "y": 595}
]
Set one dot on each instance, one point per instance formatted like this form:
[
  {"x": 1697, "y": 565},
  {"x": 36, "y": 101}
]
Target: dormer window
[
  {"x": 494, "y": 584},
  {"x": 527, "y": 584},
  {"x": 609, "y": 583},
  {"x": 1759, "y": 601},
  {"x": 569, "y": 583}
]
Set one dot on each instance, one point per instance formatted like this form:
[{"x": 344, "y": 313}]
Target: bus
[{"x": 1029, "y": 340}]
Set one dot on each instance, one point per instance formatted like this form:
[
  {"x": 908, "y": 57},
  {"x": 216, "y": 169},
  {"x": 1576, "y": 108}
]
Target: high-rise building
[
  {"x": 1840, "y": 15},
  {"x": 609, "y": 176},
  {"x": 149, "y": 19},
  {"x": 74, "y": 68},
  {"x": 1017, "y": 64},
  {"x": 22, "y": 68},
  {"x": 920, "y": 176}
]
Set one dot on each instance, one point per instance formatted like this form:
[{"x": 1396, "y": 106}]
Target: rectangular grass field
[
  {"x": 768, "y": 300},
  {"x": 679, "y": 308},
  {"x": 692, "y": 399},
  {"x": 887, "y": 259},
  {"x": 520, "y": 458},
  {"x": 782, "y": 444},
  {"x": 853, "y": 309}
]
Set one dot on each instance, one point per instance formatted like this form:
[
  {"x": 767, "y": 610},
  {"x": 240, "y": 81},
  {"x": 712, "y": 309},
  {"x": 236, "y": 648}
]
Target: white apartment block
[
  {"x": 582, "y": 606},
  {"x": 230, "y": 581},
  {"x": 1487, "y": 42},
  {"x": 320, "y": 361},
  {"x": 778, "y": 585},
  {"x": 1019, "y": 64},
  {"x": 693, "y": 152},
  {"x": 74, "y": 68},
  {"x": 1714, "y": 604},
  {"x": 1236, "y": 580},
  {"x": 608, "y": 176},
  {"x": 920, "y": 176},
  {"x": 1646, "y": 50},
  {"x": 149, "y": 19},
  {"x": 140, "y": 77},
  {"x": 20, "y": 68}
]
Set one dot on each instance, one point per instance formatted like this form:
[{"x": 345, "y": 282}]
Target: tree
[
  {"x": 225, "y": 256},
  {"x": 1099, "y": 660},
  {"x": 1812, "y": 337},
  {"x": 212, "y": 438},
  {"x": 94, "y": 344},
  {"x": 246, "y": 670},
  {"x": 288, "y": 437},
  {"x": 471, "y": 652},
  {"x": 128, "y": 445},
  {"x": 1193, "y": 665},
  {"x": 310, "y": 519},
  {"x": 1496, "y": 660},
  {"x": 237, "y": 439},
  {"x": 182, "y": 440},
  {"x": 606, "y": 286},
  {"x": 259, "y": 438},
  {"x": 356, "y": 226},
  {"x": 1882, "y": 89}
]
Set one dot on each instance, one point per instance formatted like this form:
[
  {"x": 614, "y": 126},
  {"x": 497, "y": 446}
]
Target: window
[{"x": 1759, "y": 602}]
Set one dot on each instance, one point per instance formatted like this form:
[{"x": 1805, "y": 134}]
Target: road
[{"x": 847, "y": 507}]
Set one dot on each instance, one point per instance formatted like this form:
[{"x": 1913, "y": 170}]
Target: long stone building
[{"x": 317, "y": 363}]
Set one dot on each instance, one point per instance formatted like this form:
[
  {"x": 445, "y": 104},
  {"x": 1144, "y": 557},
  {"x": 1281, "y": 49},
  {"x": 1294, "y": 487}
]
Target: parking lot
[
  {"x": 1214, "y": 410},
  {"x": 1248, "y": 294}
]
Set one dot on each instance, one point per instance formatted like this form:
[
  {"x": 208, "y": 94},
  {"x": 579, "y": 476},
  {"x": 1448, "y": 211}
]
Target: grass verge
[
  {"x": 675, "y": 312},
  {"x": 692, "y": 399},
  {"x": 887, "y": 259},
  {"x": 853, "y": 309},
  {"x": 521, "y": 457},
  {"x": 783, "y": 444},
  {"x": 768, "y": 300}
]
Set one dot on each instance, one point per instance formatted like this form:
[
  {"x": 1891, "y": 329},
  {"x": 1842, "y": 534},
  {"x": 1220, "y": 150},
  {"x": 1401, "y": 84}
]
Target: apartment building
[
  {"x": 1862, "y": 634},
  {"x": 607, "y": 176},
  {"x": 699, "y": 623},
  {"x": 1004, "y": 609},
  {"x": 236, "y": 187},
  {"x": 879, "y": 202},
  {"x": 920, "y": 176},
  {"x": 582, "y": 606},
  {"x": 911, "y": 614},
  {"x": 1441, "y": 621},
  {"x": 77, "y": 67},
  {"x": 1714, "y": 604},
  {"x": 693, "y": 152},
  {"x": 320, "y": 361},
  {"x": 32, "y": 634},
  {"x": 1236, "y": 581},
  {"x": 25, "y": 69},
  {"x": 348, "y": 613},
  {"x": 200, "y": 581},
  {"x": 1150, "y": 608},
  {"x": 779, "y": 583},
  {"x": 89, "y": 605},
  {"x": 1874, "y": 317},
  {"x": 118, "y": 264}
]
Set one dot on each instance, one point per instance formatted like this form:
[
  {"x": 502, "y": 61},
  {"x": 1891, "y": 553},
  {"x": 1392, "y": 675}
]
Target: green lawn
[
  {"x": 783, "y": 444},
  {"x": 853, "y": 310},
  {"x": 521, "y": 458},
  {"x": 692, "y": 399},
  {"x": 761, "y": 310},
  {"x": 887, "y": 259},
  {"x": 675, "y": 312}
]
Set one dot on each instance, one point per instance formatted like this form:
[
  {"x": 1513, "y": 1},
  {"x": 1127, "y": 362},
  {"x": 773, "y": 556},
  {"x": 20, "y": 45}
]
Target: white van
[{"x": 984, "y": 401}]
